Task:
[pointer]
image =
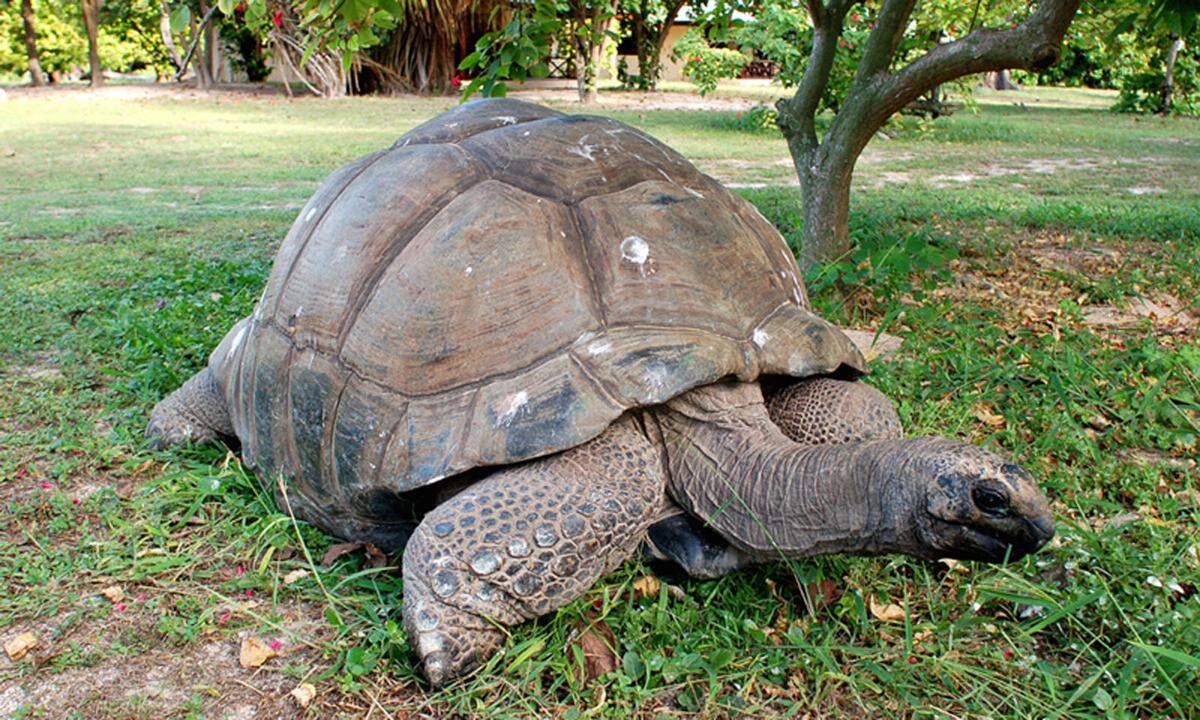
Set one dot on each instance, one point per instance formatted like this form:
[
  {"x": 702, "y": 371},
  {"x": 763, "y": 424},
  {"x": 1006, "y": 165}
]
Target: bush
[
  {"x": 1141, "y": 85},
  {"x": 705, "y": 65}
]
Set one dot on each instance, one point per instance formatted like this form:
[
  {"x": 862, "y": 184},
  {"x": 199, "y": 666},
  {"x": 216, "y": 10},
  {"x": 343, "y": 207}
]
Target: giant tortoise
[{"x": 518, "y": 343}]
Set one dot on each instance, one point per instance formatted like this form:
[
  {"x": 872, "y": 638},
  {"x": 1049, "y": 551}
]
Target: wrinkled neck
[{"x": 731, "y": 466}]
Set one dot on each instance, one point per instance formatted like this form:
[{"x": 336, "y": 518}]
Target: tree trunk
[
  {"x": 164, "y": 29},
  {"x": 1168, "y": 85},
  {"x": 201, "y": 62},
  {"x": 35, "y": 66},
  {"x": 1000, "y": 80},
  {"x": 91, "y": 19}
]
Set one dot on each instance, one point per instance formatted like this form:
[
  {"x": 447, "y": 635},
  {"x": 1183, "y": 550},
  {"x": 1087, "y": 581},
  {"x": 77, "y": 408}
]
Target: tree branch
[
  {"x": 797, "y": 114},
  {"x": 187, "y": 59},
  {"x": 1032, "y": 45},
  {"x": 881, "y": 44}
]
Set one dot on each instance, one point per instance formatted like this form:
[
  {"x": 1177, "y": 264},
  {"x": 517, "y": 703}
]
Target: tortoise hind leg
[
  {"x": 523, "y": 542},
  {"x": 194, "y": 413}
]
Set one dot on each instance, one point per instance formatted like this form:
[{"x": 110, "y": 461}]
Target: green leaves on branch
[{"x": 515, "y": 52}]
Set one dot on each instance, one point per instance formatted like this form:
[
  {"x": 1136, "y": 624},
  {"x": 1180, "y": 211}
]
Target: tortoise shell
[{"x": 501, "y": 284}]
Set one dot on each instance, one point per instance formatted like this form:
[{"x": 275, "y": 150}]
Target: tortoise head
[{"x": 979, "y": 506}]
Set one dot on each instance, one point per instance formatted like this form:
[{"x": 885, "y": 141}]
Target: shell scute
[{"x": 487, "y": 287}]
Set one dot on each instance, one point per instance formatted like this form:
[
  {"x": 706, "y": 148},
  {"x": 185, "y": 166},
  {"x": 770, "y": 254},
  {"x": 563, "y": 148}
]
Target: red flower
[
  {"x": 912, "y": 660},
  {"x": 456, "y": 81},
  {"x": 278, "y": 19},
  {"x": 47, "y": 486},
  {"x": 241, "y": 8},
  {"x": 856, "y": 17},
  {"x": 224, "y": 618},
  {"x": 841, "y": 43},
  {"x": 119, "y": 607}
]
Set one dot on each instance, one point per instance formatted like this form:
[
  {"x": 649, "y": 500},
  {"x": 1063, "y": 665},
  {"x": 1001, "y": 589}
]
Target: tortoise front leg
[{"x": 523, "y": 542}]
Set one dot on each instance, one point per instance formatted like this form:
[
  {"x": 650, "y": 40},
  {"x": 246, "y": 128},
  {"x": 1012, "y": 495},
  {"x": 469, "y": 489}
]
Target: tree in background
[
  {"x": 28, "y": 20},
  {"x": 879, "y": 89},
  {"x": 91, "y": 22},
  {"x": 1159, "y": 72},
  {"x": 522, "y": 48},
  {"x": 647, "y": 23},
  {"x": 422, "y": 53}
]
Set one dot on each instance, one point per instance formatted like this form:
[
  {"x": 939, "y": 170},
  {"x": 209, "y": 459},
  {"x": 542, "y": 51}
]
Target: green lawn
[{"x": 133, "y": 233}]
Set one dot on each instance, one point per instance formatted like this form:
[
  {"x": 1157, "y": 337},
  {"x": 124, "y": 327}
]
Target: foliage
[
  {"x": 645, "y": 23},
  {"x": 1141, "y": 84},
  {"x": 61, "y": 42},
  {"x": 517, "y": 51},
  {"x": 704, "y": 64}
]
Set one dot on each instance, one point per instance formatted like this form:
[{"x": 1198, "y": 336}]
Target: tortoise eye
[{"x": 990, "y": 500}]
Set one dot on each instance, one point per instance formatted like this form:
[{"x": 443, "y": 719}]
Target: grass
[{"x": 134, "y": 233}]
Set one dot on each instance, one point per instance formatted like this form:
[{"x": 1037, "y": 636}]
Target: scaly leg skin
[
  {"x": 824, "y": 411},
  {"x": 523, "y": 542},
  {"x": 194, "y": 413},
  {"x": 815, "y": 411}
]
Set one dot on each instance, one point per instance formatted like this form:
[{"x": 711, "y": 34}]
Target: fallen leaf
[
  {"x": 596, "y": 640},
  {"x": 295, "y": 575},
  {"x": 338, "y": 550},
  {"x": 822, "y": 593},
  {"x": 646, "y": 586},
  {"x": 303, "y": 694},
  {"x": 375, "y": 557},
  {"x": 114, "y": 593},
  {"x": 887, "y": 613},
  {"x": 954, "y": 566},
  {"x": 987, "y": 416},
  {"x": 255, "y": 652},
  {"x": 18, "y": 646}
]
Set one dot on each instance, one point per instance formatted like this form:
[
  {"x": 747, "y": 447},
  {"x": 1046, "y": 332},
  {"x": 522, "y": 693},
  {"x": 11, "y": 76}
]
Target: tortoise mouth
[{"x": 961, "y": 541}]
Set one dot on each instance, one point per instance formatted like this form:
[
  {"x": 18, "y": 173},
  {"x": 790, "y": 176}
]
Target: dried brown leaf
[
  {"x": 303, "y": 694},
  {"x": 889, "y": 612},
  {"x": 598, "y": 643},
  {"x": 254, "y": 652},
  {"x": 113, "y": 593},
  {"x": 988, "y": 416},
  {"x": 646, "y": 586},
  {"x": 295, "y": 575},
  {"x": 16, "y": 647},
  {"x": 822, "y": 593},
  {"x": 336, "y": 551}
]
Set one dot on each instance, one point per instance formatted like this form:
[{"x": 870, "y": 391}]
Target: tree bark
[
  {"x": 164, "y": 29},
  {"x": 1000, "y": 80},
  {"x": 202, "y": 64},
  {"x": 1168, "y": 84},
  {"x": 825, "y": 166},
  {"x": 35, "y": 66},
  {"x": 91, "y": 19}
]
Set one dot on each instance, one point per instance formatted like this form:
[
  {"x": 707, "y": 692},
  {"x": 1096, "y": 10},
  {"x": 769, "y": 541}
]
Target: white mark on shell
[
  {"x": 760, "y": 337},
  {"x": 506, "y": 119},
  {"x": 598, "y": 348},
  {"x": 525, "y": 134},
  {"x": 469, "y": 270},
  {"x": 452, "y": 125},
  {"x": 695, "y": 193},
  {"x": 309, "y": 215},
  {"x": 635, "y": 250},
  {"x": 583, "y": 150},
  {"x": 514, "y": 406},
  {"x": 238, "y": 338}
]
